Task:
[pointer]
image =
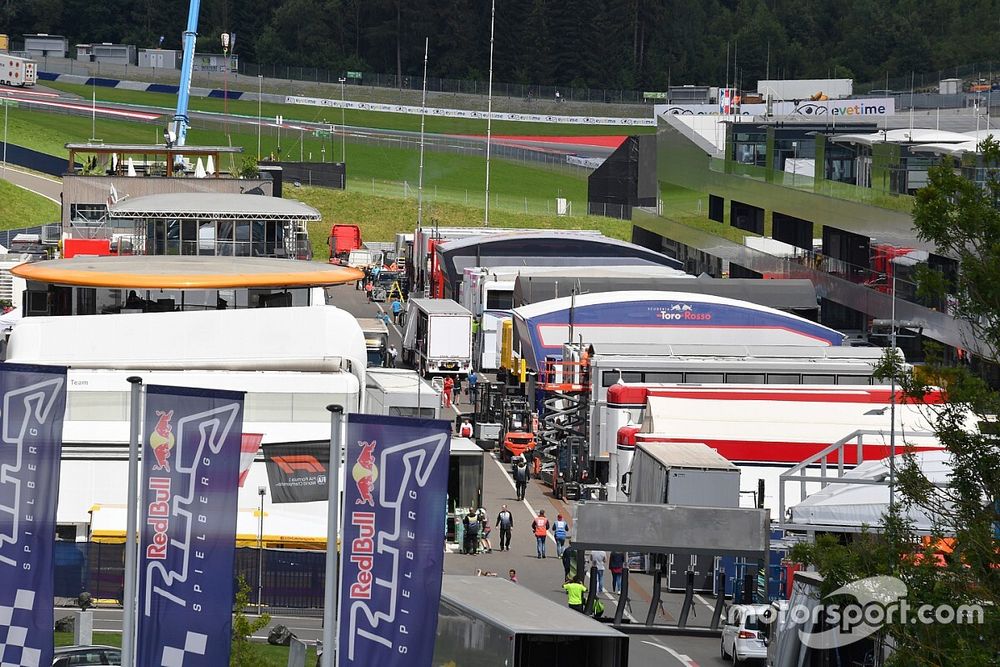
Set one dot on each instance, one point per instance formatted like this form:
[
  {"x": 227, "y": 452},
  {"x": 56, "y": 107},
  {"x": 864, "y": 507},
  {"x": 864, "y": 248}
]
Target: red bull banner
[
  {"x": 191, "y": 469},
  {"x": 297, "y": 473},
  {"x": 31, "y": 417},
  {"x": 392, "y": 540}
]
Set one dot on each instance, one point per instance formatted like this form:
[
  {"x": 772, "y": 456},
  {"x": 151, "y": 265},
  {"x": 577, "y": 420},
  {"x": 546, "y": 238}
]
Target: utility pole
[
  {"x": 420, "y": 176},
  {"x": 489, "y": 115}
]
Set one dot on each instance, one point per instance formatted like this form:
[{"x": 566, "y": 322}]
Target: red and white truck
[{"x": 15, "y": 71}]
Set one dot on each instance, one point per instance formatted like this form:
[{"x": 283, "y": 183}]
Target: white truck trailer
[
  {"x": 16, "y": 71},
  {"x": 438, "y": 337},
  {"x": 398, "y": 392}
]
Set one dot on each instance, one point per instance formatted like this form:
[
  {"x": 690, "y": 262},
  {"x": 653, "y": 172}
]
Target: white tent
[{"x": 851, "y": 506}]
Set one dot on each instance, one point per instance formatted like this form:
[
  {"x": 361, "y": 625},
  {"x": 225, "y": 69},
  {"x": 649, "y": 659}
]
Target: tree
[
  {"x": 242, "y": 653},
  {"x": 962, "y": 219}
]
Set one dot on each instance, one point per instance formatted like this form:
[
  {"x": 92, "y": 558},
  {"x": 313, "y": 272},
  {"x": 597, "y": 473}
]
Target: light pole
[
  {"x": 260, "y": 94},
  {"x": 262, "y": 491},
  {"x": 343, "y": 119},
  {"x": 910, "y": 259},
  {"x": 489, "y": 116},
  {"x": 6, "y": 106}
]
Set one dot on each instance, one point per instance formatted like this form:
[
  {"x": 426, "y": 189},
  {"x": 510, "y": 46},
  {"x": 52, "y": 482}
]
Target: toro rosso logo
[
  {"x": 365, "y": 474},
  {"x": 162, "y": 440},
  {"x": 680, "y": 311}
]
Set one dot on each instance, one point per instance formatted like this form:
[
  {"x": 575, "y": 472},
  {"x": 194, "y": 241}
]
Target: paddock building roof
[
  {"x": 184, "y": 272},
  {"x": 214, "y": 206}
]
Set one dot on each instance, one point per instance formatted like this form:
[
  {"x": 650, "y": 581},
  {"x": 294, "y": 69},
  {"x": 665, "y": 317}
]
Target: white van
[{"x": 743, "y": 633}]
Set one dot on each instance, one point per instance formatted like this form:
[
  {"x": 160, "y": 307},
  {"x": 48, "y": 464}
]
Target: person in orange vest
[
  {"x": 449, "y": 385},
  {"x": 540, "y": 527}
]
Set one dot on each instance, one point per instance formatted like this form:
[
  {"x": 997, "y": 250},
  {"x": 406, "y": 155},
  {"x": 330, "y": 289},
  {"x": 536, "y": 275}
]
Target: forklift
[
  {"x": 505, "y": 420},
  {"x": 518, "y": 429}
]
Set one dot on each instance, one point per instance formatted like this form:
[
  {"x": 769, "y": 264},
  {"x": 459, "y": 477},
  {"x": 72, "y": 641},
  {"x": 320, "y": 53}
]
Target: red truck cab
[{"x": 343, "y": 239}]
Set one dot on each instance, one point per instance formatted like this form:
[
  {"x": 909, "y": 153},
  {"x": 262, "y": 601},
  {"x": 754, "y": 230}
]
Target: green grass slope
[
  {"x": 381, "y": 218},
  {"x": 20, "y": 208}
]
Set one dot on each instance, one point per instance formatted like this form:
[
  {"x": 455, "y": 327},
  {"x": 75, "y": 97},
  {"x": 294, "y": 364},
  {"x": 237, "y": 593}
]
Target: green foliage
[
  {"x": 243, "y": 653},
  {"x": 248, "y": 167},
  {"x": 606, "y": 45}
]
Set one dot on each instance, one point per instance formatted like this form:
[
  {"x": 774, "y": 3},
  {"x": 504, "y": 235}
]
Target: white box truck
[
  {"x": 398, "y": 392},
  {"x": 684, "y": 473},
  {"x": 438, "y": 337},
  {"x": 16, "y": 71}
]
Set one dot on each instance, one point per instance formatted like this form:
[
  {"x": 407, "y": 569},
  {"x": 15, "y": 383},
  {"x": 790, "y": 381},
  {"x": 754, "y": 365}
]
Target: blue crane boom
[{"x": 181, "y": 121}]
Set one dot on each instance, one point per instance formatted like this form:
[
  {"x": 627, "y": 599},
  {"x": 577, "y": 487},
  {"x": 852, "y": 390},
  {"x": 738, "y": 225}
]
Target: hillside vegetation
[{"x": 609, "y": 44}]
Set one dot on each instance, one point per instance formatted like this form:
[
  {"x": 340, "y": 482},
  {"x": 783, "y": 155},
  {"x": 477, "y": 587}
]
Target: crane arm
[{"x": 181, "y": 121}]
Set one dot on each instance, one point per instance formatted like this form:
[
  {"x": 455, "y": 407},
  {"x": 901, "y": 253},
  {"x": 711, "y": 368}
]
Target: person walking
[
  {"x": 471, "y": 523},
  {"x": 368, "y": 290},
  {"x": 465, "y": 430},
  {"x": 397, "y": 310},
  {"x": 473, "y": 381},
  {"x": 540, "y": 527},
  {"x": 599, "y": 561},
  {"x": 393, "y": 356},
  {"x": 560, "y": 530},
  {"x": 449, "y": 386},
  {"x": 616, "y": 563},
  {"x": 484, "y": 539},
  {"x": 520, "y": 479},
  {"x": 505, "y": 523},
  {"x": 574, "y": 593}
]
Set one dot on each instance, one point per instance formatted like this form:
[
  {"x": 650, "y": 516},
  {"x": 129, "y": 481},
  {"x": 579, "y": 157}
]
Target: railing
[{"x": 802, "y": 475}]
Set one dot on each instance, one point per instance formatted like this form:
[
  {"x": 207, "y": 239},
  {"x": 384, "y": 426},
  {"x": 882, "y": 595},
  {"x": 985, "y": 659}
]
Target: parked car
[
  {"x": 68, "y": 656},
  {"x": 743, "y": 633}
]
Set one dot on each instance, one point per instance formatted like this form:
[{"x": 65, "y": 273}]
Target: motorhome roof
[
  {"x": 184, "y": 272},
  {"x": 612, "y": 352},
  {"x": 304, "y": 338},
  {"x": 398, "y": 379},
  {"x": 439, "y": 306},
  {"x": 686, "y": 455},
  {"x": 517, "y": 609}
]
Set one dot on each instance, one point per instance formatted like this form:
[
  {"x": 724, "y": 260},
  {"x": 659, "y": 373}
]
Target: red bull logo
[
  {"x": 162, "y": 440},
  {"x": 365, "y": 474}
]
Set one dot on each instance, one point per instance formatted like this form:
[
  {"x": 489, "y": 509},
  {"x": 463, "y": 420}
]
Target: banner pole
[
  {"x": 131, "y": 548},
  {"x": 331, "y": 617}
]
